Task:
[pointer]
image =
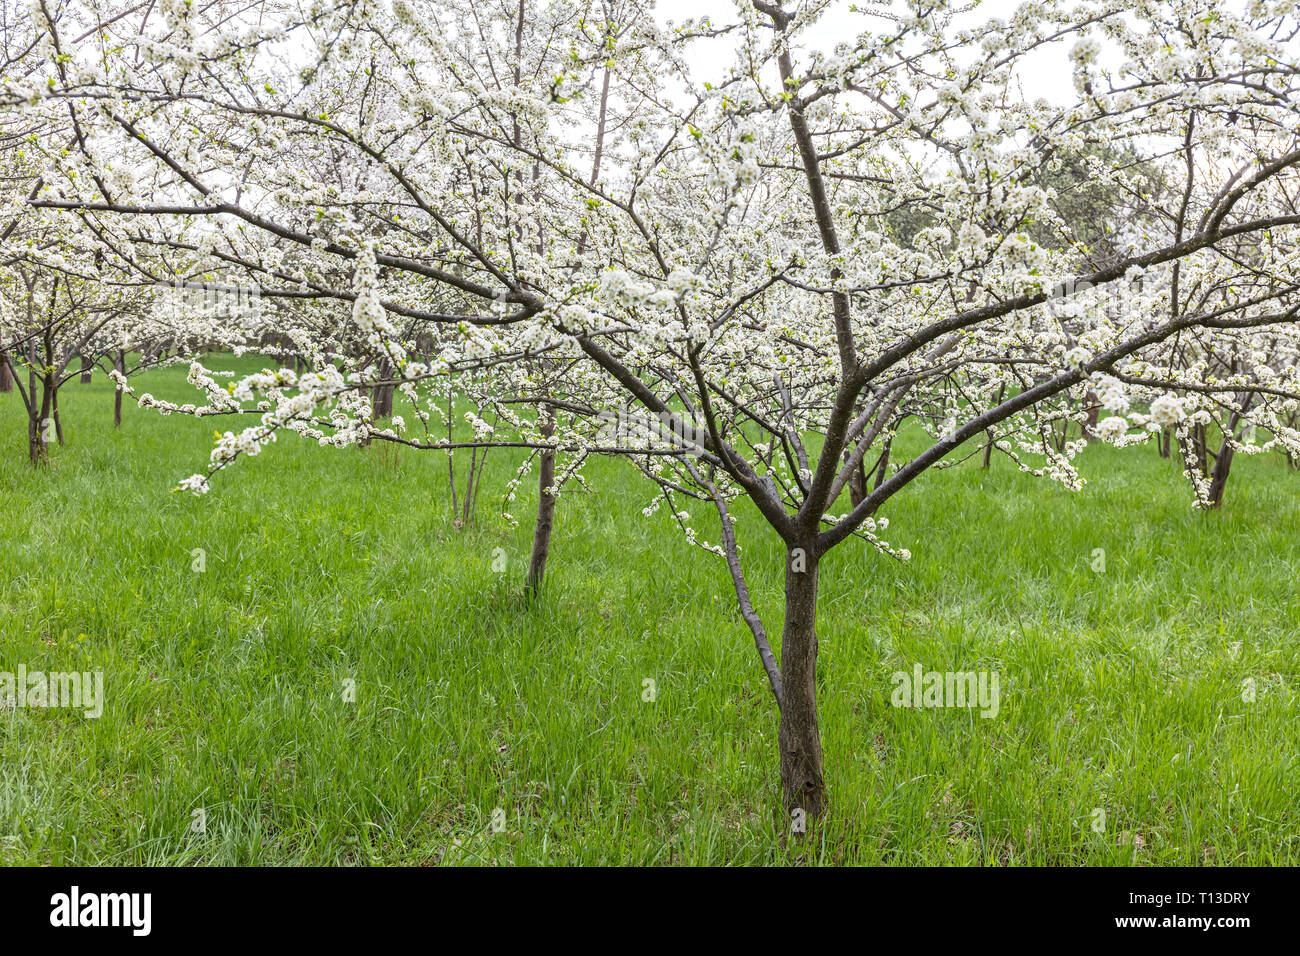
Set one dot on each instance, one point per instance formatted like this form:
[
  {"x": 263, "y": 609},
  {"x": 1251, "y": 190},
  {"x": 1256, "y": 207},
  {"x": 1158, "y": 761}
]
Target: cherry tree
[{"x": 789, "y": 257}]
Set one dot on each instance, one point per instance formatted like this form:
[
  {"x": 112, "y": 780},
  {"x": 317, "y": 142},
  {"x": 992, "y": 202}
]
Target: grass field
[{"x": 1120, "y": 690}]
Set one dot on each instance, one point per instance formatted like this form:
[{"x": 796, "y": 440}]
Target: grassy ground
[{"x": 1120, "y": 690}]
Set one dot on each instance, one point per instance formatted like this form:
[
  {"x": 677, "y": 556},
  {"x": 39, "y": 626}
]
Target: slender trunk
[
  {"x": 86, "y": 369},
  {"x": 38, "y": 422},
  {"x": 882, "y": 466},
  {"x": 119, "y": 362},
  {"x": 383, "y": 394},
  {"x": 6, "y": 374},
  {"x": 1094, "y": 413},
  {"x": 36, "y": 452},
  {"x": 858, "y": 484},
  {"x": 1219, "y": 477},
  {"x": 545, "y": 505},
  {"x": 988, "y": 446},
  {"x": 58, "y": 421},
  {"x": 802, "y": 783}
]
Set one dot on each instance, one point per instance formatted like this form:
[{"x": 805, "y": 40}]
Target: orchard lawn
[{"x": 312, "y": 665}]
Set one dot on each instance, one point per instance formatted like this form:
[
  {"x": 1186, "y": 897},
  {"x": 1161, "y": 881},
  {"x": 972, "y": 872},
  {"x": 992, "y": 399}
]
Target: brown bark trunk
[
  {"x": 802, "y": 784},
  {"x": 38, "y": 449},
  {"x": 1219, "y": 477},
  {"x": 86, "y": 369},
  {"x": 882, "y": 466},
  {"x": 58, "y": 420},
  {"x": 988, "y": 445},
  {"x": 545, "y": 506},
  {"x": 1094, "y": 413},
  {"x": 119, "y": 362},
  {"x": 6, "y": 374},
  {"x": 383, "y": 394},
  {"x": 858, "y": 484}
]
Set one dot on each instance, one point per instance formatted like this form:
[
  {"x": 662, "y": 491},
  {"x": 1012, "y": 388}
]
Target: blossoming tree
[{"x": 735, "y": 266}]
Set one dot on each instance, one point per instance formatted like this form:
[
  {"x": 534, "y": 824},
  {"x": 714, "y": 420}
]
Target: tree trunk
[
  {"x": 119, "y": 362},
  {"x": 383, "y": 394},
  {"x": 802, "y": 784},
  {"x": 38, "y": 421},
  {"x": 545, "y": 506},
  {"x": 858, "y": 484},
  {"x": 1201, "y": 448},
  {"x": 58, "y": 420},
  {"x": 882, "y": 466},
  {"x": 36, "y": 451},
  {"x": 1219, "y": 478},
  {"x": 1094, "y": 413},
  {"x": 86, "y": 369},
  {"x": 6, "y": 374}
]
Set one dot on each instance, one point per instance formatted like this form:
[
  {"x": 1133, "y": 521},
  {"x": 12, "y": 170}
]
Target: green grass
[{"x": 1121, "y": 690}]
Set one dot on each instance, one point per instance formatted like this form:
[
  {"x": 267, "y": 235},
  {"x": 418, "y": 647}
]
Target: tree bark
[
  {"x": 58, "y": 420},
  {"x": 37, "y": 435},
  {"x": 1094, "y": 413},
  {"x": 988, "y": 445},
  {"x": 383, "y": 394},
  {"x": 545, "y": 506},
  {"x": 1223, "y": 464},
  {"x": 6, "y": 374},
  {"x": 1219, "y": 478},
  {"x": 882, "y": 466},
  {"x": 86, "y": 369},
  {"x": 119, "y": 362},
  {"x": 802, "y": 783},
  {"x": 858, "y": 484}
]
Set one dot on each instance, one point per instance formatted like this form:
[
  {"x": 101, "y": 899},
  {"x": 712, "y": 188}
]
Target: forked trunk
[{"x": 802, "y": 784}]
